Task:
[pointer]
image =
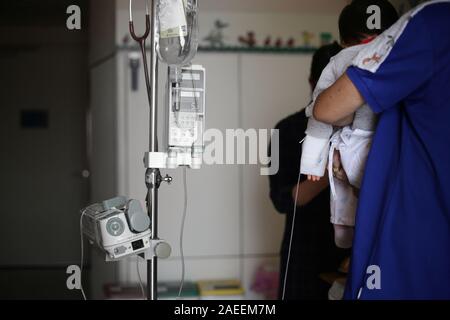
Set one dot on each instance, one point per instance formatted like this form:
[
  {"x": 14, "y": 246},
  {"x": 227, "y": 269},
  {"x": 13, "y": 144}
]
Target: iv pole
[{"x": 152, "y": 175}]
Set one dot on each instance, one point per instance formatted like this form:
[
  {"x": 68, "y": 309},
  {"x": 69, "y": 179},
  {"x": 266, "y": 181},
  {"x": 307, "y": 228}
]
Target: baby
[{"x": 346, "y": 145}]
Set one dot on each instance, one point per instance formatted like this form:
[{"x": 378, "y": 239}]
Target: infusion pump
[
  {"x": 185, "y": 120},
  {"x": 118, "y": 226},
  {"x": 121, "y": 228}
]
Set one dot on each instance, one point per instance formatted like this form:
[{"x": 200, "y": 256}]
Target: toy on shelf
[
  {"x": 216, "y": 37},
  {"x": 248, "y": 43},
  {"x": 278, "y": 43},
  {"x": 307, "y": 38},
  {"x": 248, "y": 40},
  {"x": 325, "y": 38},
  {"x": 290, "y": 43}
]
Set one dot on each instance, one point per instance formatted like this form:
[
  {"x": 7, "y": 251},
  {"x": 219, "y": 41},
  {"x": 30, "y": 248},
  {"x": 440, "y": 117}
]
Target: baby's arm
[
  {"x": 315, "y": 149},
  {"x": 316, "y": 144},
  {"x": 327, "y": 78}
]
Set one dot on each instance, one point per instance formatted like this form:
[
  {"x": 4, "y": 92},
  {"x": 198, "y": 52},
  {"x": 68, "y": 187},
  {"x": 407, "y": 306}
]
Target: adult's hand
[{"x": 307, "y": 190}]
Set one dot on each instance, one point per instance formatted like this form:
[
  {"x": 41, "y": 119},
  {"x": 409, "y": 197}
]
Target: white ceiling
[{"x": 294, "y": 6}]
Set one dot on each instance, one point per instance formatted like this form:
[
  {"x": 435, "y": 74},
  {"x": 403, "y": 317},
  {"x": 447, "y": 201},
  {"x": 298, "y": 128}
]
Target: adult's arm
[
  {"x": 337, "y": 103},
  {"x": 283, "y": 183},
  {"x": 285, "y": 179},
  {"x": 308, "y": 190}
]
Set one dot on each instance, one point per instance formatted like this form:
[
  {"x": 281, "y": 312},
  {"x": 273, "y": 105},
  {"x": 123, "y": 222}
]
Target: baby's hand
[
  {"x": 338, "y": 170},
  {"x": 313, "y": 178},
  {"x": 337, "y": 160}
]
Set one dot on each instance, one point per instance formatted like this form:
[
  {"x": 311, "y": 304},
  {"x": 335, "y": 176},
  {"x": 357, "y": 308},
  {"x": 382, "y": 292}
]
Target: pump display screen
[
  {"x": 138, "y": 244},
  {"x": 191, "y": 101}
]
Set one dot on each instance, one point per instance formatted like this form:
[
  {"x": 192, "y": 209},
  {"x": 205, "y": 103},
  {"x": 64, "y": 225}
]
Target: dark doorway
[{"x": 43, "y": 167}]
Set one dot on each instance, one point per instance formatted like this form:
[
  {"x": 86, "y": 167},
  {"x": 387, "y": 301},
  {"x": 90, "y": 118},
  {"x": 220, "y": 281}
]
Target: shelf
[{"x": 237, "y": 49}]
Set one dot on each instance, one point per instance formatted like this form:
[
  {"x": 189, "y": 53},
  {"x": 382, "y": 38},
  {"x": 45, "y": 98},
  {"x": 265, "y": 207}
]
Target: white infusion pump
[
  {"x": 186, "y": 108},
  {"x": 185, "y": 120},
  {"x": 118, "y": 226},
  {"x": 186, "y": 116}
]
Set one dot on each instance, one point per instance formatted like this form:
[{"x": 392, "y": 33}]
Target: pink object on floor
[{"x": 266, "y": 282}]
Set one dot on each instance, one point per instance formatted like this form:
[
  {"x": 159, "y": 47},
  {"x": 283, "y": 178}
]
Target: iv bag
[{"x": 177, "y": 31}]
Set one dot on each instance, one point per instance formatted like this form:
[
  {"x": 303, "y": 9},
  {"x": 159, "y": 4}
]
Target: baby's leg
[
  {"x": 343, "y": 236},
  {"x": 343, "y": 209}
]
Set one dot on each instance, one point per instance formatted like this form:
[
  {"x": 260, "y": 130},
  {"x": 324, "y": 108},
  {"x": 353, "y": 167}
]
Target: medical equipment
[
  {"x": 177, "y": 40},
  {"x": 120, "y": 227},
  {"x": 173, "y": 33},
  {"x": 186, "y": 116},
  {"x": 185, "y": 120}
]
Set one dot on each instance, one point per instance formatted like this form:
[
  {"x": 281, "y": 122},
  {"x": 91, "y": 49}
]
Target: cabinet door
[{"x": 273, "y": 87}]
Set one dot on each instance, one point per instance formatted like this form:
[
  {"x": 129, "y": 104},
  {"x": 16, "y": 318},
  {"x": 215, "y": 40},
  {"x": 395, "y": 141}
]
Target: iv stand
[{"x": 153, "y": 175}]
